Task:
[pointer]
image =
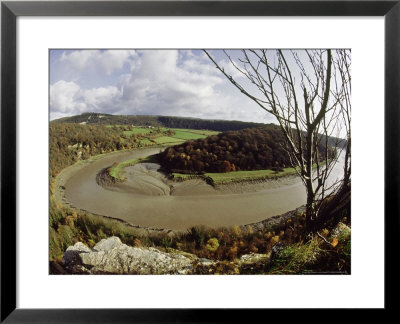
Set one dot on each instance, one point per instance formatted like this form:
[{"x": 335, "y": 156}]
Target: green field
[
  {"x": 236, "y": 176},
  {"x": 157, "y": 135},
  {"x": 168, "y": 140},
  {"x": 145, "y": 141},
  {"x": 198, "y": 131},
  {"x": 191, "y": 134},
  {"x": 137, "y": 130},
  {"x": 186, "y": 135}
]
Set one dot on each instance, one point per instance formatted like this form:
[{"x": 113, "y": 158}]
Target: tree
[{"x": 308, "y": 92}]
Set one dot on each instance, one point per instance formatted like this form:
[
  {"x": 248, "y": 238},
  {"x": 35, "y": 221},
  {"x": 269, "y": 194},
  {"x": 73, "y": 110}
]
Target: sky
[
  {"x": 147, "y": 82},
  {"x": 184, "y": 83}
]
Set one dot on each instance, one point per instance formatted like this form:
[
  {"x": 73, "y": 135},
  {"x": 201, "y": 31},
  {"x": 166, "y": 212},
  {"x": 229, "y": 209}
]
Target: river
[{"x": 149, "y": 199}]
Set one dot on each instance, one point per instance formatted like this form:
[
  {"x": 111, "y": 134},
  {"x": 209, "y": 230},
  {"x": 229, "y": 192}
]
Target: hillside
[
  {"x": 157, "y": 121},
  {"x": 247, "y": 149}
]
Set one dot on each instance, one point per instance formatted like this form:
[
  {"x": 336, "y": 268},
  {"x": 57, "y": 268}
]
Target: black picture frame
[{"x": 10, "y": 10}]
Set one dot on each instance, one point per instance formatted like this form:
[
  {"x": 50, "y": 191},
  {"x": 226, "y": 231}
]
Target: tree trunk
[{"x": 310, "y": 210}]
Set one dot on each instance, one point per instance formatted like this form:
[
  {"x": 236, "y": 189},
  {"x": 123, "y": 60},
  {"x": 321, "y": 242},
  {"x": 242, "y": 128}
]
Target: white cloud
[
  {"x": 105, "y": 62},
  {"x": 159, "y": 82},
  {"x": 65, "y": 97}
]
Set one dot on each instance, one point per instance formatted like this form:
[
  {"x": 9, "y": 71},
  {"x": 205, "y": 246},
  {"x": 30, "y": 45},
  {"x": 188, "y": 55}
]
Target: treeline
[
  {"x": 196, "y": 123},
  {"x": 157, "y": 121},
  {"x": 247, "y": 149},
  {"x": 72, "y": 142}
]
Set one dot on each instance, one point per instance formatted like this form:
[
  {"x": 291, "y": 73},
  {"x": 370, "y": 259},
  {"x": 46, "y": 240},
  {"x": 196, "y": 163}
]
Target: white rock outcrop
[{"x": 111, "y": 256}]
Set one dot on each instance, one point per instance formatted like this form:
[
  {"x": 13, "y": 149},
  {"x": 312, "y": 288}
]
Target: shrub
[{"x": 212, "y": 244}]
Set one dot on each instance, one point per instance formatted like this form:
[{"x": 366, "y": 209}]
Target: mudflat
[{"x": 149, "y": 199}]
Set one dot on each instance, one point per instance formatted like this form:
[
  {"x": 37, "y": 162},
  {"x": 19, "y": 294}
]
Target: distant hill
[{"x": 157, "y": 121}]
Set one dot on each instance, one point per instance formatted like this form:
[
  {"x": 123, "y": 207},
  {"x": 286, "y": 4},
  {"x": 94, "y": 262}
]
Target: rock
[
  {"x": 110, "y": 256},
  {"x": 253, "y": 258},
  {"x": 107, "y": 244},
  {"x": 253, "y": 263},
  {"x": 341, "y": 232},
  {"x": 72, "y": 255},
  {"x": 278, "y": 247},
  {"x": 205, "y": 262}
]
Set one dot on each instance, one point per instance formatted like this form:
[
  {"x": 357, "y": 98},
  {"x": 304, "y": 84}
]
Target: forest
[{"x": 247, "y": 149}]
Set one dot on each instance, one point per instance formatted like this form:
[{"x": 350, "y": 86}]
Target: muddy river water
[{"x": 147, "y": 198}]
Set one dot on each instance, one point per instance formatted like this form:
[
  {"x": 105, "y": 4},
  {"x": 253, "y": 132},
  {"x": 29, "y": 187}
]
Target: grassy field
[
  {"x": 137, "y": 130},
  {"x": 236, "y": 176},
  {"x": 158, "y": 135},
  {"x": 198, "y": 131},
  {"x": 191, "y": 134},
  {"x": 221, "y": 178},
  {"x": 146, "y": 141},
  {"x": 168, "y": 140}
]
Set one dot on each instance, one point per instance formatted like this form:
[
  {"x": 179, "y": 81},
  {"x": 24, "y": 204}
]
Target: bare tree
[{"x": 309, "y": 93}]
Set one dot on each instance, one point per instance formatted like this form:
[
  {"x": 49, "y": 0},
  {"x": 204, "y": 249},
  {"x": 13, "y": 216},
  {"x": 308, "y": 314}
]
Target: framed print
[{"x": 119, "y": 143}]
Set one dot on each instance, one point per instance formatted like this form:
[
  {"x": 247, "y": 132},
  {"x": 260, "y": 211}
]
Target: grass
[
  {"x": 236, "y": 176},
  {"x": 187, "y": 134},
  {"x": 199, "y": 131},
  {"x": 154, "y": 136},
  {"x": 168, "y": 140},
  {"x": 298, "y": 258},
  {"x": 136, "y": 131},
  {"x": 146, "y": 141},
  {"x": 117, "y": 170}
]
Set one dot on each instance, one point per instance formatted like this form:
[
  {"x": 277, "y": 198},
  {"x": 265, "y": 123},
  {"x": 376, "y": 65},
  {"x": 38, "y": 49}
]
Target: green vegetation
[
  {"x": 317, "y": 255},
  {"x": 186, "y": 134},
  {"x": 197, "y": 131},
  {"x": 146, "y": 142},
  {"x": 138, "y": 130},
  {"x": 167, "y": 140},
  {"x": 235, "y": 176},
  {"x": 117, "y": 169}
]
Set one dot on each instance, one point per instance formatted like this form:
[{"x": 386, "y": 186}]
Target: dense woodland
[
  {"x": 247, "y": 149},
  {"x": 157, "y": 121}
]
